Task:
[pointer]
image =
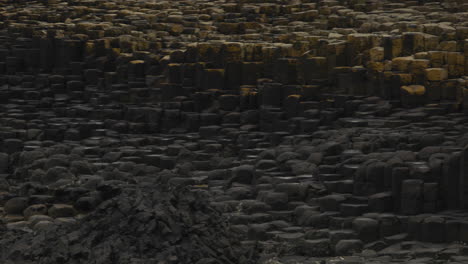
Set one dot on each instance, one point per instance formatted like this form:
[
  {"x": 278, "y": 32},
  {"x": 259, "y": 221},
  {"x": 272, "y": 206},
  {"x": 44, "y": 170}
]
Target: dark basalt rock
[{"x": 233, "y": 132}]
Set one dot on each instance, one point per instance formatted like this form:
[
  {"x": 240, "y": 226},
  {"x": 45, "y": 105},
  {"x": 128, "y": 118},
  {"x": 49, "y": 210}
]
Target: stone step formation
[{"x": 254, "y": 131}]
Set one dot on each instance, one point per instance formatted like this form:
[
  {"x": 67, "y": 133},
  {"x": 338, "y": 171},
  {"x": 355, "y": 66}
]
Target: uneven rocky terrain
[{"x": 253, "y": 131}]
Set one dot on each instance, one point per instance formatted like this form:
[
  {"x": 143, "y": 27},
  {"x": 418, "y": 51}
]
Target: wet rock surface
[{"x": 233, "y": 132}]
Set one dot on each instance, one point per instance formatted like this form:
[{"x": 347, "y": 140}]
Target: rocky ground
[{"x": 233, "y": 132}]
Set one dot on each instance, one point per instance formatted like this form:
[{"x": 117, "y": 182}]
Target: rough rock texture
[{"x": 141, "y": 223}]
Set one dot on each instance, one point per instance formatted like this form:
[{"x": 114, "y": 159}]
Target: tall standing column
[
  {"x": 464, "y": 178},
  {"x": 450, "y": 181}
]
